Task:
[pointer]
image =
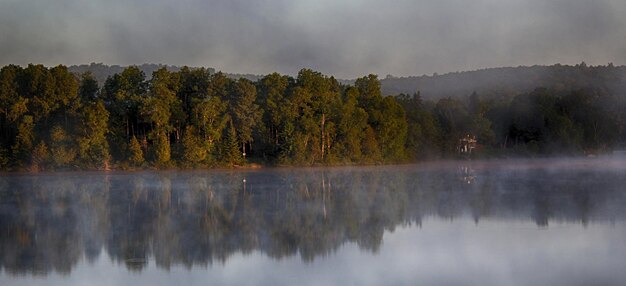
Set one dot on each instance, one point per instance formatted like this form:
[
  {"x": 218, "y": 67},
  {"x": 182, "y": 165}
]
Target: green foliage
[
  {"x": 369, "y": 90},
  {"x": 136, "y": 154},
  {"x": 311, "y": 114},
  {"x": 162, "y": 149},
  {"x": 423, "y": 130},
  {"x": 194, "y": 151},
  {"x": 209, "y": 119},
  {"x": 352, "y": 128},
  {"x": 230, "y": 151},
  {"x": 24, "y": 141},
  {"x": 387, "y": 118},
  {"x": 61, "y": 148},
  {"x": 40, "y": 157},
  {"x": 454, "y": 121},
  {"x": 93, "y": 146},
  {"x": 88, "y": 89},
  {"x": 162, "y": 109},
  {"x": 272, "y": 91},
  {"x": 371, "y": 148},
  {"x": 244, "y": 111},
  {"x": 392, "y": 130},
  {"x": 53, "y": 119},
  {"x": 123, "y": 95}
]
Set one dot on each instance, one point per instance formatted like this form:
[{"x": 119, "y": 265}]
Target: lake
[{"x": 523, "y": 222}]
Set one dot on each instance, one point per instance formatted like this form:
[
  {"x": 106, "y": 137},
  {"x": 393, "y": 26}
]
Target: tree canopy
[{"x": 51, "y": 118}]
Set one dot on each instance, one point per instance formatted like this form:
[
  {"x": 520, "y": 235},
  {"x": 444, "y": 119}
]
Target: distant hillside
[
  {"x": 102, "y": 71},
  {"x": 510, "y": 80},
  {"x": 493, "y": 81}
]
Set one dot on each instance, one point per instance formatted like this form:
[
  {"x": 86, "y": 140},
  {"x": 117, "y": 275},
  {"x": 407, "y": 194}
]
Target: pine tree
[
  {"x": 231, "y": 154},
  {"x": 136, "y": 154},
  {"x": 193, "y": 150},
  {"x": 162, "y": 149}
]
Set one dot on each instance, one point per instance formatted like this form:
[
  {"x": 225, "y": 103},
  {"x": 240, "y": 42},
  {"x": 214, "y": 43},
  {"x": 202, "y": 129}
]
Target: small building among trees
[{"x": 467, "y": 145}]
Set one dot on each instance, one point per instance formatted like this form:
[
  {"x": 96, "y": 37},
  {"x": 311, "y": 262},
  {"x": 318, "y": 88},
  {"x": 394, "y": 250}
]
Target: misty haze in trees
[
  {"x": 510, "y": 80},
  {"x": 51, "y": 118}
]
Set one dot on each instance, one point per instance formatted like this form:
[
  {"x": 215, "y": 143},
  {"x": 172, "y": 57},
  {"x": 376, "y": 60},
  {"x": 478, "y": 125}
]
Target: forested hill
[
  {"x": 507, "y": 81},
  {"x": 101, "y": 71},
  {"x": 55, "y": 119},
  {"x": 510, "y": 81}
]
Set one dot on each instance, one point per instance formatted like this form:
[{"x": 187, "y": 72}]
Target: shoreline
[{"x": 519, "y": 162}]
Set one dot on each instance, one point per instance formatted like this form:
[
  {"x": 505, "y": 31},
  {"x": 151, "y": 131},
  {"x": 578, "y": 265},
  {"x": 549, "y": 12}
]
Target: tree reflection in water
[{"x": 51, "y": 222}]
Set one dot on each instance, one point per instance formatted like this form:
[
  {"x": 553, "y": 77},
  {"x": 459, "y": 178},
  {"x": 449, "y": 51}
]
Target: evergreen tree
[
  {"x": 136, "y": 154},
  {"x": 231, "y": 152},
  {"x": 194, "y": 152},
  {"x": 88, "y": 90},
  {"x": 162, "y": 149}
]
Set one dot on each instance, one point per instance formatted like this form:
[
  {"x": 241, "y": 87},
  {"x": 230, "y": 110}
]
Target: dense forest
[{"x": 51, "y": 118}]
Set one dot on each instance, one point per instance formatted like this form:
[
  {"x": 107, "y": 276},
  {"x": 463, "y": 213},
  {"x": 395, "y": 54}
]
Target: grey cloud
[{"x": 345, "y": 38}]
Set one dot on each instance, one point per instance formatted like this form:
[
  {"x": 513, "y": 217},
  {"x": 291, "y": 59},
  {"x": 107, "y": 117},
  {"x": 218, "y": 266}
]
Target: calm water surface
[{"x": 529, "y": 222}]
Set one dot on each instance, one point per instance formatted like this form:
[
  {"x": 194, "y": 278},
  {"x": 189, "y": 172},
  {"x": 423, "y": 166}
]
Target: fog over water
[{"x": 525, "y": 222}]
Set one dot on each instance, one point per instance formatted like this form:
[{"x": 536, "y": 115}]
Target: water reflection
[
  {"x": 50, "y": 222},
  {"x": 466, "y": 174}
]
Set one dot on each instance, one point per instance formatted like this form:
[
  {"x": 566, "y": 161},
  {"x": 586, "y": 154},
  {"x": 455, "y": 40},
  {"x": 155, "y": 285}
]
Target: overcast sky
[{"x": 345, "y": 38}]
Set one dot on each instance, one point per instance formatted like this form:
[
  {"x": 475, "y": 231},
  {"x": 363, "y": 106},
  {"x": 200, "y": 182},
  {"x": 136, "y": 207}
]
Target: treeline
[
  {"x": 540, "y": 123},
  {"x": 510, "y": 81},
  {"x": 51, "y": 118},
  {"x": 101, "y": 71}
]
